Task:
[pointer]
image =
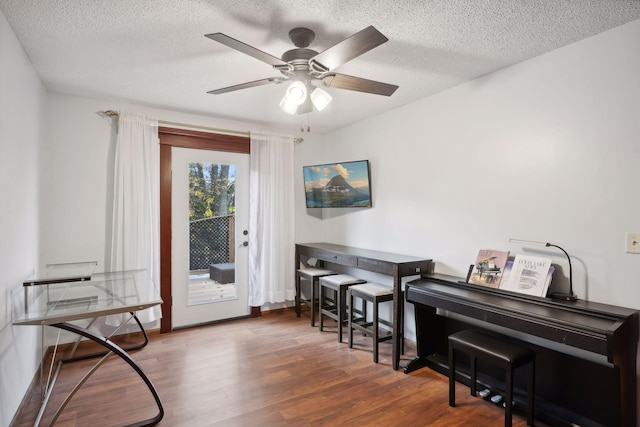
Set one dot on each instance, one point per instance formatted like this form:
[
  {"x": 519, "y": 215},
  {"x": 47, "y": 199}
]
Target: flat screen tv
[{"x": 338, "y": 185}]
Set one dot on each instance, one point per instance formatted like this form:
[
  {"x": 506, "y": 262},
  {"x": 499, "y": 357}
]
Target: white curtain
[
  {"x": 135, "y": 228},
  {"x": 271, "y": 220}
]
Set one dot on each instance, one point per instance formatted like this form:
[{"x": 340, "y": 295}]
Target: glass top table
[
  {"x": 103, "y": 294},
  {"x": 64, "y": 293}
]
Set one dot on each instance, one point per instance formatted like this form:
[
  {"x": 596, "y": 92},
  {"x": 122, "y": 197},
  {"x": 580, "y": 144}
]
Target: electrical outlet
[{"x": 632, "y": 243}]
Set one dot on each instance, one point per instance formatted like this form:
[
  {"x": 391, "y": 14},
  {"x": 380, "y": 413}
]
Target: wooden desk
[
  {"x": 568, "y": 388},
  {"x": 390, "y": 264}
]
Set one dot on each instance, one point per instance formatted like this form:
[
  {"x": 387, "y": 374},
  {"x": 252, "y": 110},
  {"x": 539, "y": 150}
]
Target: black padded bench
[{"x": 501, "y": 353}]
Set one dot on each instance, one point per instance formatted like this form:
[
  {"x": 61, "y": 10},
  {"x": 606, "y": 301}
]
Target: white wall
[
  {"x": 546, "y": 150},
  {"x": 21, "y": 126}
]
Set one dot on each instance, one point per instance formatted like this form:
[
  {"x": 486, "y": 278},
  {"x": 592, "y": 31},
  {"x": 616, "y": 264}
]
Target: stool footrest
[{"x": 365, "y": 327}]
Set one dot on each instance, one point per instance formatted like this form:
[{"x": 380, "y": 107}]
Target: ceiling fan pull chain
[{"x": 302, "y": 116}]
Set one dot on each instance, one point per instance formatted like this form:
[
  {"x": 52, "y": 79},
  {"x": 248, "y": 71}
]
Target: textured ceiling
[{"x": 154, "y": 51}]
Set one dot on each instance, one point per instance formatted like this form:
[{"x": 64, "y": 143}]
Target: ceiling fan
[{"x": 308, "y": 68}]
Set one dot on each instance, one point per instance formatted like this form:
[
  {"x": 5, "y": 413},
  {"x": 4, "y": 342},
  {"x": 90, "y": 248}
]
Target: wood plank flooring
[{"x": 274, "y": 370}]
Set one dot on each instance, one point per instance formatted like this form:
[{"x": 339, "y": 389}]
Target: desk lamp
[{"x": 554, "y": 295}]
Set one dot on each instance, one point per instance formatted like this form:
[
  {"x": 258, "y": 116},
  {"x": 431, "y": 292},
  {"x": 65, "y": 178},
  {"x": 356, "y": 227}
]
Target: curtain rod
[{"x": 112, "y": 113}]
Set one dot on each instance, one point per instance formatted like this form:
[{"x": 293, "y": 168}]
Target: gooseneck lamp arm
[
  {"x": 570, "y": 269},
  {"x": 555, "y": 295}
]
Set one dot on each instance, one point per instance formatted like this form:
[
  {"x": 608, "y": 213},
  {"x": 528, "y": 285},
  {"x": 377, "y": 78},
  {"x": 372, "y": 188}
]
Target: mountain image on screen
[
  {"x": 338, "y": 185},
  {"x": 338, "y": 192}
]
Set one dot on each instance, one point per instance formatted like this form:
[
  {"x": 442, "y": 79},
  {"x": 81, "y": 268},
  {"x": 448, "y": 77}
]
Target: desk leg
[
  {"x": 296, "y": 266},
  {"x": 138, "y": 346},
  {"x": 398, "y": 313},
  {"x": 115, "y": 349}
]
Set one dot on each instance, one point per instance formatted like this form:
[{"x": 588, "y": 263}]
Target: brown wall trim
[
  {"x": 165, "y": 238},
  {"x": 203, "y": 140},
  {"x": 171, "y": 137}
]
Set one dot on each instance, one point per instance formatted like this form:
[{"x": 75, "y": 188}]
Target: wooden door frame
[{"x": 171, "y": 137}]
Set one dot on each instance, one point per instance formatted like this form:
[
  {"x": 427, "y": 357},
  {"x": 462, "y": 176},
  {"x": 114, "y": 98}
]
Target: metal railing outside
[{"x": 211, "y": 242}]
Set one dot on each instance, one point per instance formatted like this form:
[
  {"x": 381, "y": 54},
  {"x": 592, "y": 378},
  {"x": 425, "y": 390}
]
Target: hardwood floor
[{"x": 270, "y": 371}]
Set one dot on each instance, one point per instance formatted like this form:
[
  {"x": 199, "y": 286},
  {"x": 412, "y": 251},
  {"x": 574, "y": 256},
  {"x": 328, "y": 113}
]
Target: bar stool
[
  {"x": 336, "y": 310},
  {"x": 376, "y": 294},
  {"x": 313, "y": 275},
  {"x": 501, "y": 353}
]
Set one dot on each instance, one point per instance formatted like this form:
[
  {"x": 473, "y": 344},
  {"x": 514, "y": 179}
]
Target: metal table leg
[{"x": 112, "y": 349}]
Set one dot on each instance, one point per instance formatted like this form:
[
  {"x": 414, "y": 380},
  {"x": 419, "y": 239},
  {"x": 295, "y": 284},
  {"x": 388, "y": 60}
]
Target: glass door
[{"x": 210, "y": 203}]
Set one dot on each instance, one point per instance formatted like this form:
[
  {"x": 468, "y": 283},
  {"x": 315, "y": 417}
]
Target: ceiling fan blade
[
  {"x": 354, "y": 46},
  {"x": 246, "y": 49},
  {"x": 343, "y": 81},
  {"x": 247, "y": 85}
]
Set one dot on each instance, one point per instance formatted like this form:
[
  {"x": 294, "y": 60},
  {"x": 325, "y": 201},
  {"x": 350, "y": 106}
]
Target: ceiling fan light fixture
[
  {"x": 288, "y": 106},
  {"x": 320, "y": 98},
  {"x": 296, "y": 92}
]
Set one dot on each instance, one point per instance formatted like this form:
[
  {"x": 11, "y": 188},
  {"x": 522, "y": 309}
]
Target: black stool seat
[
  {"x": 507, "y": 355},
  {"x": 483, "y": 345}
]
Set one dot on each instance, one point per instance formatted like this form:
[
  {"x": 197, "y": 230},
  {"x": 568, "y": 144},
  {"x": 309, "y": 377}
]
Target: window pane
[{"x": 211, "y": 232}]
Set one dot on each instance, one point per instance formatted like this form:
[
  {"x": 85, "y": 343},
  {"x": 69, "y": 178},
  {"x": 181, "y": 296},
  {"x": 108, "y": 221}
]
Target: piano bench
[{"x": 507, "y": 355}]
